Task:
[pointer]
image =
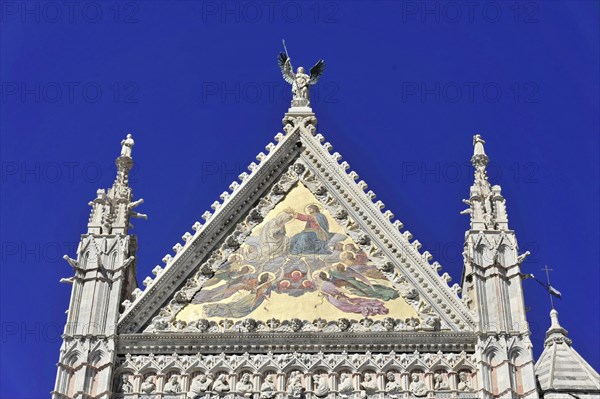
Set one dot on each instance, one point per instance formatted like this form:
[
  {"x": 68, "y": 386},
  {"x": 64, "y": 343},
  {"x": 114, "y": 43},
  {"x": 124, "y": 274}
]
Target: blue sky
[{"x": 197, "y": 83}]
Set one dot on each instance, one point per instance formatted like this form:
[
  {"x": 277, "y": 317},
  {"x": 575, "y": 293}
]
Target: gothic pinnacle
[{"x": 486, "y": 203}]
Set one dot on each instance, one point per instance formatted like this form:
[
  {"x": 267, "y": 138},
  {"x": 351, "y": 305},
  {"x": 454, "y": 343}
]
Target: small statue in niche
[
  {"x": 440, "y": 384},
  {"x": 294, "y": 384},
  {"x": 172, "y": 386},
  {"x": 221, "y": 384},
  {"x": 125, "y": 385},
  {"x": 463, "y": 382},
  {"x": 267, "y": 389},
  {"x": 369, "y": 384},
  {"x": 417, "y": 387},
  {"x": 200, "y": 384},
  {"x": 392, "y": 386},
  {"x": 321, "y": 385},
  {"x": 345, "y": 386},
  {"x": 148, "y": 385},
  {"x": 244, "y": 385}
]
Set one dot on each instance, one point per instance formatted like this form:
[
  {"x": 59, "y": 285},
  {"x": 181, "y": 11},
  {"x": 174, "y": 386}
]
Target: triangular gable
[{"x": 297, "y": 171}]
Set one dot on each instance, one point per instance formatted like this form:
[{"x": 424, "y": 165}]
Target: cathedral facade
[{"x": 298, "y": 283}]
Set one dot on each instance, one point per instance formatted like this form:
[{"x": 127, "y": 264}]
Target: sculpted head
[
  {"x": 202, "y": 325},
  {"x": 388, "y": 323},
  {"x": 366, "y": 322},
  {"x": 343, "y": 324},
  {"x": 463, "y": 376},
  {"x": 414, "y": 377},
  {"x": 296, "y": 324},
  {"x": 391, "y": 377},
  {"x": 300, "y": 70},
  {"x": 246, "y": 378},
  {"x": 250, "y": 324}
]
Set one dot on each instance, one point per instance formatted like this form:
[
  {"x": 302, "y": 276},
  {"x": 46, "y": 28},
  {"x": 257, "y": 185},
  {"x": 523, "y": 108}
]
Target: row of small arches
[
  {"x": 269, "y": 368},
  {"x": 440, "y": 380}
]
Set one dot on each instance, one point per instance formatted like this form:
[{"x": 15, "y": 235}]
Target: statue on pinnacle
[
  {"x": 127, "y": 146},
  {"x": 300, "y": 81}
]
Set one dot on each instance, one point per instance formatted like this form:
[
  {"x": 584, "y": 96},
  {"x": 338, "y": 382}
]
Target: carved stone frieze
[{"x": 295, "y": 375}]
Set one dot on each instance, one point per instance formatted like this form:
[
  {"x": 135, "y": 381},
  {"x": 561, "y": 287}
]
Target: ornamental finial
[
  {"x": 300, "y": 81},
  {"x": 556, "y": 332},
  {"x": 554, "y": 320}
]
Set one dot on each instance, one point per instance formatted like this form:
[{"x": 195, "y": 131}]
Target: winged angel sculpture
[{"x": 300, "y": 81}]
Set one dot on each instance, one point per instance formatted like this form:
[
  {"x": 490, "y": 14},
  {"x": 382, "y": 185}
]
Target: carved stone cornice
[{"x": 182, "y": 343}]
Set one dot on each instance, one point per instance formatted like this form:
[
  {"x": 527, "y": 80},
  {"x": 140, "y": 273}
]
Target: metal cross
[{"x": 548, "y": 270}]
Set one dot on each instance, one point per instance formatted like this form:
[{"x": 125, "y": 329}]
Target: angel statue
[{"x": 300, "y": 81}]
